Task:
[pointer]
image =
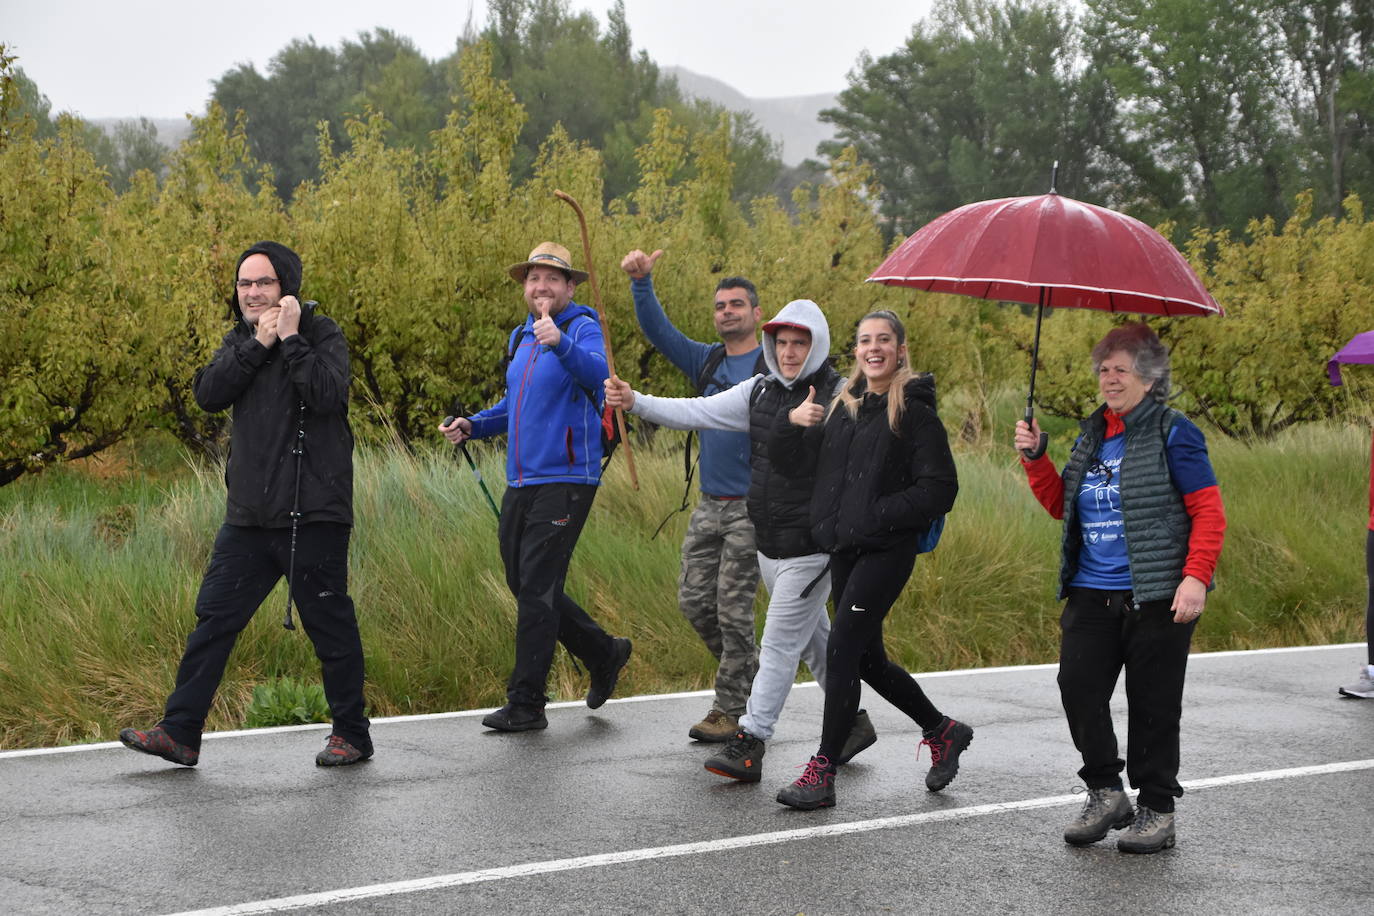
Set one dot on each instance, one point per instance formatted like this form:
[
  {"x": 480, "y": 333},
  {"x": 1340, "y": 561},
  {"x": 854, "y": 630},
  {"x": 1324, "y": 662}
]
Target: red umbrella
[{"x": 1048, "y": 251}]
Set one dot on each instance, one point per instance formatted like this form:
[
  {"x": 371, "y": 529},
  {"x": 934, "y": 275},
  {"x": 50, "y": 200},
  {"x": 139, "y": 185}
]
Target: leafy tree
[
  {"x": 978, "y": 103},
  {"x": 1196, "y": 83}
]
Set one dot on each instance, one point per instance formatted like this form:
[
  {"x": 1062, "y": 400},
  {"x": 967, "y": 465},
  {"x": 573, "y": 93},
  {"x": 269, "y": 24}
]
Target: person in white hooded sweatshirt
[{"x": 796, "y": 346}]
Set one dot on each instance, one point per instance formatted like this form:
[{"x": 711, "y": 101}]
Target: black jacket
[
  {"x": 875, "y": 489},
  {"x": 265, "y": 388},
  {"x": 780, "y": 503}
]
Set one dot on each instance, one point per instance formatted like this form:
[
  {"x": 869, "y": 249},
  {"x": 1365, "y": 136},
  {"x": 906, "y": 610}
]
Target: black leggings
[{"x": 865, "y": 586}]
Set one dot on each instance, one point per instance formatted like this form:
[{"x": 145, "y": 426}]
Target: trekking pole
[
  {"x": 298, "y": 450},
  {"x": 463, "y": 447},
  {"x": 605, "y": 327}
]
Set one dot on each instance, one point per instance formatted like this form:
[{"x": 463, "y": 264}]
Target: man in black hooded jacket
[{"x": 283, "y": 371}]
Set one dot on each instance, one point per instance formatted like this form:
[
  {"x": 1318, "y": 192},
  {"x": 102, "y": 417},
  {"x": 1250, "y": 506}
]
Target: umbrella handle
[{"x": 1034, "y": 453}]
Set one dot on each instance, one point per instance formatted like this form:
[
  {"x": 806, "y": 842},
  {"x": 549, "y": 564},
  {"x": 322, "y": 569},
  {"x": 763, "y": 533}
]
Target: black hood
[{"x": 286, "y": 263}]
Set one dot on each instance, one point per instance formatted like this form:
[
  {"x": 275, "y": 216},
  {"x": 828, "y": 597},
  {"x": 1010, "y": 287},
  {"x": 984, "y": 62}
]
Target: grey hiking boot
[
  {"x": 1151, "y": 831},
  {"x": 815, "y": 788},
  {"x": 741, "y": 758},
  {"x": 1104, "y": 811},
  {"x": 715, "y": 728},
  {"x": 861, "y": 735},
  {"x": 1362, "y": 688}
]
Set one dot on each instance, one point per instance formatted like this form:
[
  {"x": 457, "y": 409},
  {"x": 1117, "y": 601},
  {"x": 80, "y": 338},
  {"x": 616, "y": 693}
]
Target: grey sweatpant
[{"x": 795, "y": 629}]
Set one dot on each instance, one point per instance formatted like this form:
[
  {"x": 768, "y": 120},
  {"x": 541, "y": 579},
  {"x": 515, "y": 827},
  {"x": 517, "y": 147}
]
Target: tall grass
[{"x": 98, "y": 580}]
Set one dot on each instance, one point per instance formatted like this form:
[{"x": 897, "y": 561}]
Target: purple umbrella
[{"x": 1359, "y": 350}]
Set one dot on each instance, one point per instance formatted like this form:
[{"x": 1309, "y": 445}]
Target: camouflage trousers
[{"x": 720, "y": 574}]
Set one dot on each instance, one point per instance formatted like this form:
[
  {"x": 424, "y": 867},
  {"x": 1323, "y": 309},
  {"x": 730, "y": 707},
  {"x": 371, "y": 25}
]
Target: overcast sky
[{"x": 131, "y": 58}]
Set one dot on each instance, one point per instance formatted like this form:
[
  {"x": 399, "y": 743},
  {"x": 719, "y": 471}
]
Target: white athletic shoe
[{"x": 1363, "y": 688}]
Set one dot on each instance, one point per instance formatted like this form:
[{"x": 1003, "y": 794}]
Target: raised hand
[
  {"x": 266, "y": 332},
  {"x": 289, "y": 317},
  {"x": 619, "y": 394},
  {"x": 545, "y": 331},
  {"x": 808, "y": 412},
  {"x": 638, "y": 264}
]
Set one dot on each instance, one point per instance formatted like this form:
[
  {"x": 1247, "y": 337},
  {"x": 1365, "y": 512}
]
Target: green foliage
[
  {"x": 98, "y": 580},
  {"x": 286, "y": 701}
]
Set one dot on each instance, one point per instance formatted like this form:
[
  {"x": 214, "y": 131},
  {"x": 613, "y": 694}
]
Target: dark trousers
[
  {"x": 245, "y": 565},
  {"x": 538, "y": 531},
  {"x": 1369, "y": 604},
  {"x": 865, "y": 586},
  {"x": 1102, "y": 632}
]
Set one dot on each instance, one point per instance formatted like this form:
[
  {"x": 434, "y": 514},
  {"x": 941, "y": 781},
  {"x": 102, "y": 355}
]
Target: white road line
[
  {"x": 470, "y": 713},
  {"x": 530, "y": 869}
]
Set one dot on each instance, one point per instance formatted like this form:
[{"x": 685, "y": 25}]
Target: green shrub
[{"x": 286, "y": 701}]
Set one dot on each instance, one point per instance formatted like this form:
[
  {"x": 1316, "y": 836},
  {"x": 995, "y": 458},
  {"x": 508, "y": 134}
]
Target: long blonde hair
[{"x": 850, "y": 390}]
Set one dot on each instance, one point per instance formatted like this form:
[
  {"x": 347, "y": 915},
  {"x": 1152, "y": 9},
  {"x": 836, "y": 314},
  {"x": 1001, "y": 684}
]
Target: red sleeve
[
  {"x": 1046, "y": 484},
  {"x": 1209, "y": 528}
]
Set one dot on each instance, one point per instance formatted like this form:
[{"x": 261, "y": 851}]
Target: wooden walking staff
[{"x": 605, "y": 328}]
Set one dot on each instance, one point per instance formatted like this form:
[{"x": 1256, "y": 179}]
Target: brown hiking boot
[{"x": 716, "y": 728}]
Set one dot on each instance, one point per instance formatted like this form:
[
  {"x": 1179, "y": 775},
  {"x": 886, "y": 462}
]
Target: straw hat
[{"x": 547, "y": 254}]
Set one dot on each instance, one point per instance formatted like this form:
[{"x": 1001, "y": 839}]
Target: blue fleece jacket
[
  {"x": 724, "y": 455},
  {"x": 551, "y": 410}
]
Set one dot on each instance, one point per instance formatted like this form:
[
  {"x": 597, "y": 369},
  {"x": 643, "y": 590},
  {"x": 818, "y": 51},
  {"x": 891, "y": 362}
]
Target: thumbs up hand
[
  {"x": 808, "y": 412},
  {"x": 545, "y": 331}
]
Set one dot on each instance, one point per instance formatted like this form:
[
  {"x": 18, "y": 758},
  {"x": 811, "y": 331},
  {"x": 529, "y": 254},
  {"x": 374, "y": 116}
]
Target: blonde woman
[{"x": 884, "y": 474}]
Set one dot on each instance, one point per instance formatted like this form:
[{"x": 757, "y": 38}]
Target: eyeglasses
[
  {"x": 260, "y": 283},
  {"x": 1100, "y": 469}
]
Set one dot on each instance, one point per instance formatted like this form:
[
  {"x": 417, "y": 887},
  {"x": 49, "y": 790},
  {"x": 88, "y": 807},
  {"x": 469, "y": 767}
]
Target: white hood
[{"x": 801, "y": 313}]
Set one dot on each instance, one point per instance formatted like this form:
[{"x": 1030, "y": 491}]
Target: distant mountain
[{"x": 794, "y": 121}]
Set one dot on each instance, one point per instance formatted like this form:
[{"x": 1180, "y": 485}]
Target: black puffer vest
[
  {"x": 1156, "y": 520},
  {"x": 779, "y": 505}
]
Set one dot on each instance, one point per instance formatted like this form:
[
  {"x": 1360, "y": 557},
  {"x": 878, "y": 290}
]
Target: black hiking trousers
[
  {"x": 245, "y": 565},
  {"x": 1101, "y": 633},
  {"x": 539, "y": 528}
]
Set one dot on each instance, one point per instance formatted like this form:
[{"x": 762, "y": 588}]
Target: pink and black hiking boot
[
  {"x": 339, "y": 753},
  {"x": 157, "y": 742},
  {"x": 946, "y": 741},
  {"x": 815, "y": 788}
]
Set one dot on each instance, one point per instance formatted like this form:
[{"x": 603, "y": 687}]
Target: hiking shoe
[
  {"x": 512, "y": 718},
  {"x": 946, "y": 741},
  {"x": 1151, "y": 831},
  {"x": 741, "y": 758},
  {"x": 815, "y": 788},
  {"x": 339, "y": 753},
  {"x": 862, "y": 735},
  {"x": 715, "y": 728},
  {"x": 604, "y": 678},
  {"x": 1104, "y": 811},
  {"x": 1363, "y": 688},
  {"x": 157, "y": 742}
]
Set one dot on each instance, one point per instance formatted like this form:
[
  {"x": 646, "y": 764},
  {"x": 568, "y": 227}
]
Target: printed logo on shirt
[{"x": 855, "y": 607}]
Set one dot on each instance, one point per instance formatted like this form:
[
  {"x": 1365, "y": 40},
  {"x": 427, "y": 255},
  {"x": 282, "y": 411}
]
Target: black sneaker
[
  {"x": 339, "y": 753},
  {"x": 861, "y": 735},
  {"x": 947, "y": 741},
  {"x": 741, "y": 758},
  {"x": 157, "y": 742},
  {"x": 814, "y": 789},
  {"x": 512, "y": 718},
  {"x": 604, "y": 679}
]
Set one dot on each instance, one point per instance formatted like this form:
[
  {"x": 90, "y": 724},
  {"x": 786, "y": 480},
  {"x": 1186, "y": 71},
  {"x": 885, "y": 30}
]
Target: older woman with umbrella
[{"x": 1143, "y": 528}]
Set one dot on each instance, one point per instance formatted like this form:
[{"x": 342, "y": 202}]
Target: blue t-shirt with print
[{"x": 1102, "y": 563}]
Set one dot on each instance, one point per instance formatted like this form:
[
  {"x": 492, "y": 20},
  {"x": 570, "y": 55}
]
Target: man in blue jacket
[
  {"x": 551, "y": 415},
  {"x": 720, "y": 569}
]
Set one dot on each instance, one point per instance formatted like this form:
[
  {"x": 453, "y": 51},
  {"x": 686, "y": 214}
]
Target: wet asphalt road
[{"x": 451, "y": 818}]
